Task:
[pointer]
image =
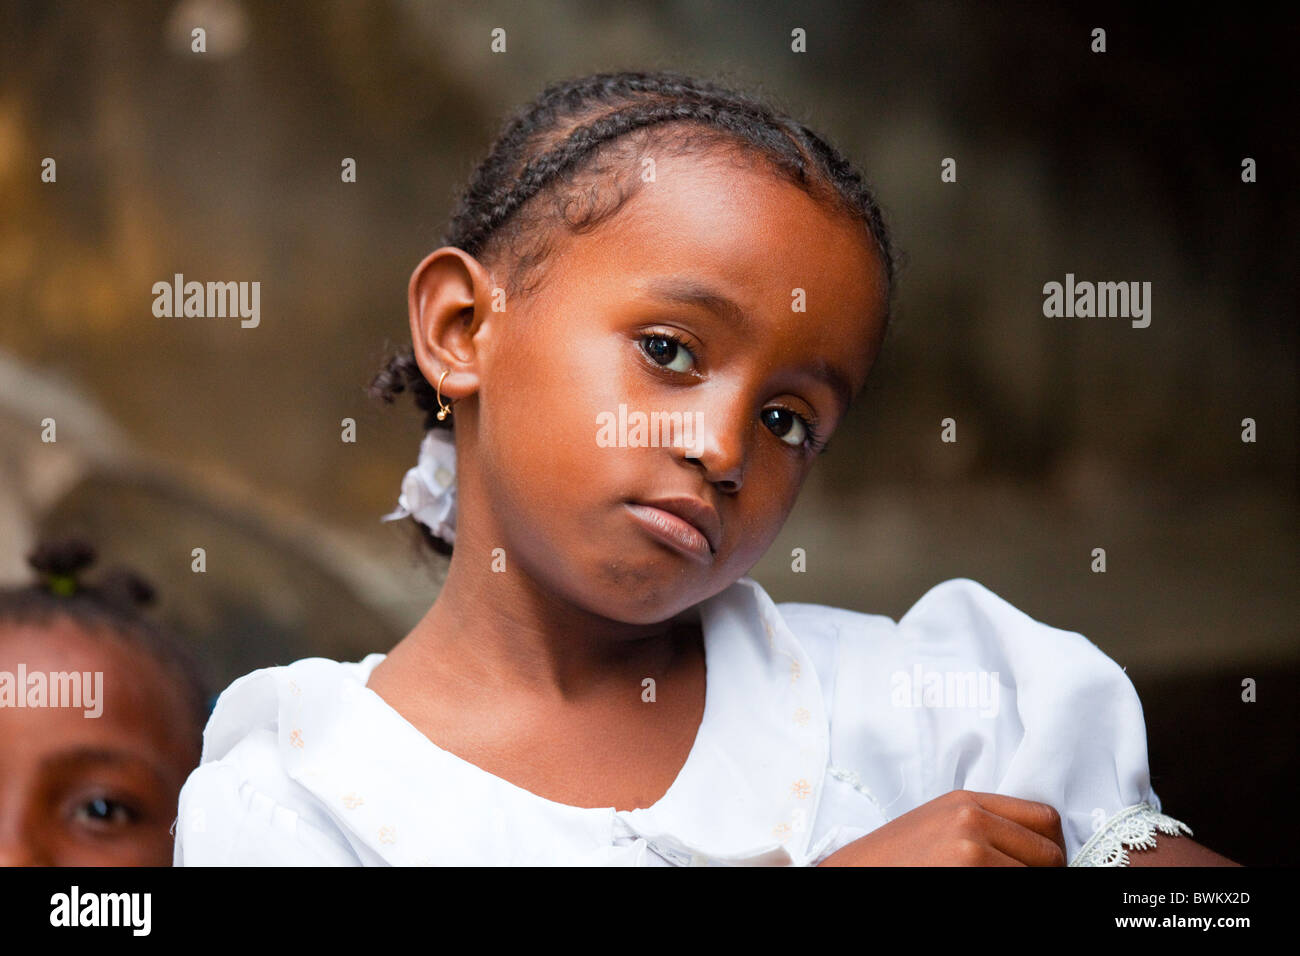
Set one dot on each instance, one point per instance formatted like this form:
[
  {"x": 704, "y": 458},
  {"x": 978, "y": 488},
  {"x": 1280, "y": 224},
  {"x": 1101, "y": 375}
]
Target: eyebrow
[
  {"x": 685, "y": 291},
  {"x": 693, "y": 292},
  {"x": 83, "y": 757}
]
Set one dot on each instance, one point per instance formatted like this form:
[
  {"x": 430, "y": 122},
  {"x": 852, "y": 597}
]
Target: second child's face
[
  {"x": 808, "y": 294},
  {"x": 94, "y": 784}
]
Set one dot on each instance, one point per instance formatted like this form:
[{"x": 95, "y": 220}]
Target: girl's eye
[
  {"x": 790, "y": 427},
  {"x": 103, "y": 812},
  {"x": 668, "y": 351}
]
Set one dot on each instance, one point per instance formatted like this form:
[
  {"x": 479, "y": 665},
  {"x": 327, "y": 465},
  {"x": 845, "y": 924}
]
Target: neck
[{"x": 504, "y": 632}]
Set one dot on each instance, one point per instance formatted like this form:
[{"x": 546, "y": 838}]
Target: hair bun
[
  {"x": 126, "y": 587},
  {"x": 60, "y": 563},
  {"x": 66, "y": 557}
]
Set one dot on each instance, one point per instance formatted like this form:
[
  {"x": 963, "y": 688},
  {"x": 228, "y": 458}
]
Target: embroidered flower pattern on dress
[
  {"x": 295, "y": 738},
  {"x": 801, "y": 716},
  {"x": 771, "y": 642},
  {"x": 1133, "y": 827},
  {"x": 801, "y": 789},
  {"x": 352, "y": 801},
  {"x": 387, "y": 834}
]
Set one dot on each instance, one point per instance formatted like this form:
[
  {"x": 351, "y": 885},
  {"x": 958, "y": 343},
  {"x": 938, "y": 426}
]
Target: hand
[{"x": 962, "y": 828}]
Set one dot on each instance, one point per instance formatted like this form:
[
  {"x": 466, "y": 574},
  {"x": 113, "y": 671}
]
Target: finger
[
  {"x": 994, "y": 856},
  {"x": 1020, "y": 842},
  {"x": 1039, "y": 817}
]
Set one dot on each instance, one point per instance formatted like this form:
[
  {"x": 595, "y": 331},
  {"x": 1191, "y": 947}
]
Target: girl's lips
[{"x": 672, "y": 530}]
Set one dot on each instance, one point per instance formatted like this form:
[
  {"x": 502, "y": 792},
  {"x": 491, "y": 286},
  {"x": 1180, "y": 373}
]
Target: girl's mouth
[{"x": 673, "y": 531}]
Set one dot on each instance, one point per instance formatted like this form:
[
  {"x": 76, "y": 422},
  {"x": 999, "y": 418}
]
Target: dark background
[{"x": 1072, "y": 433}]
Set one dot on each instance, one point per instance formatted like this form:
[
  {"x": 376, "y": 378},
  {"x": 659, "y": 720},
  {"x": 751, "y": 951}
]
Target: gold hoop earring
[{"x": 443, "y": 410}]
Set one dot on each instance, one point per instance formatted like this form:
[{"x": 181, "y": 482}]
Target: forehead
[
  {"x": 728, "y": 220},
  {"x": 141, "y": 711}
]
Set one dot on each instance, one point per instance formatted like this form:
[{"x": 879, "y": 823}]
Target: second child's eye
[
  {"x": 102, "y": 812},
  {"x": 668, "y": 351}
]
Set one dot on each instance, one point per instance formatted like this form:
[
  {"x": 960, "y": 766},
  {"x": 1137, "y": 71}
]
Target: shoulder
[
  {"x": 257, "y": 700},
  {"x": 958, "y": 624},
  {"x": 965, "y": 617},
  {"x": 968, "y": 658},
  {"x": 968, "y": 691},
  {"x": 958, "y": 619},
  {"x": 243, "y": 804},
  {"x": 960, "y": 644},
  {"x": 955, "y": 607}
]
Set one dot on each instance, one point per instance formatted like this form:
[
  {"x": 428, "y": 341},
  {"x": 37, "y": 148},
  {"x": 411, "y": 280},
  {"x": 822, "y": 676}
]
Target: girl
[
  {"x": 101, "y": 717},
  {"x": 599, "y": 682}
]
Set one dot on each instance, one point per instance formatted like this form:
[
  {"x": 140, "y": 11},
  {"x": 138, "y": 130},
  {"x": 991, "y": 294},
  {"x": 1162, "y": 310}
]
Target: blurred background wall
[{"x": 1073, "y": 434}]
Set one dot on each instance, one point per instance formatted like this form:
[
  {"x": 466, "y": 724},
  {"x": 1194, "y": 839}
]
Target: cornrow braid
[{"x": 566, "y": 130}]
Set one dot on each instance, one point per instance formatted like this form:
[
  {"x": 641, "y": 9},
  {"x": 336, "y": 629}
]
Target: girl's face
[
  {"x": 79, "y": 790},
  {"x": 719, "y": 294}
]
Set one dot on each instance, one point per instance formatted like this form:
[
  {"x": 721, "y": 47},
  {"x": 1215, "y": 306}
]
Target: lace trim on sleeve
[{"x": 1133, "y": 827}]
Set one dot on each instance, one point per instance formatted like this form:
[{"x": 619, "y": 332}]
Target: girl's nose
[{"x": 719, "y": 446}]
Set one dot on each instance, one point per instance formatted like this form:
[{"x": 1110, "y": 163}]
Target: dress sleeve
[
  {"x": 233, "y": 812},
  {"x": 1006, "y": 704}
]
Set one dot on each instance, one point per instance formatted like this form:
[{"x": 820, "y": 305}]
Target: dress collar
[{"x": 747, "y": 794}]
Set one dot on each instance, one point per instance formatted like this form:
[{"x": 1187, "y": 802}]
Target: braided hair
[
  {"x": 113, "y": 604},
  {"x": 554, "y": 150}
]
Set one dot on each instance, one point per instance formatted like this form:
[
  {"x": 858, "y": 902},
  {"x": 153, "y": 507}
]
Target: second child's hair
[
  {"x": 537, "y": 175},
  {"x": 111, "y": 605}
]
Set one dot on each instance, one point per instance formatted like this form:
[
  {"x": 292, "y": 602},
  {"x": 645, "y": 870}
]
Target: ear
[{"x": 449, "y": 299}]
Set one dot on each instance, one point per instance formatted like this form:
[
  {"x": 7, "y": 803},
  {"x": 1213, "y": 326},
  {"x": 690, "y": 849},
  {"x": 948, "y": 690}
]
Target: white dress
[{"x": 820, "y": 724}]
